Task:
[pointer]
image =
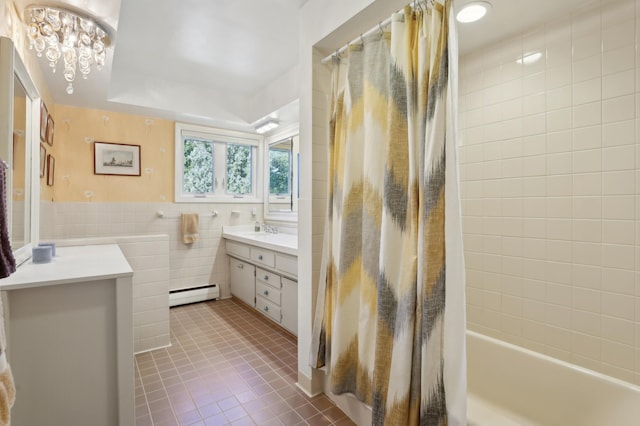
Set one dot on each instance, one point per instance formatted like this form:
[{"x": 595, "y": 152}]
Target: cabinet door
[
  {"x": 243, "y": 284},
  {"x": 289, "y": 305}
]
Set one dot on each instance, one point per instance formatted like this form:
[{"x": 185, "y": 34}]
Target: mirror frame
[
  {"x": 292, "y": 216},
  {"x": 11, "y": 66}
]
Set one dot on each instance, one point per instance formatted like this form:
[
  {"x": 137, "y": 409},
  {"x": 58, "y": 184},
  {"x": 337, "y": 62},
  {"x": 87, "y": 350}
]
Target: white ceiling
[{"x": 202, "y": 61}]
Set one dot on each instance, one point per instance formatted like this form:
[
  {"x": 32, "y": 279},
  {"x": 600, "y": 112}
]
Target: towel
[
  {"x": 7, "y": 261},
  {"x": 189, "y": 228},
  {"x": 7, "y": 387}
]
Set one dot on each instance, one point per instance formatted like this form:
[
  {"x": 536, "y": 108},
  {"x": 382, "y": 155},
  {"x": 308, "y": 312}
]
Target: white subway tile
[
  {"x": 618, "y": 355},
  {"x": 558, "y": 120},
  {"x": 618, "y": 256},
  {"x": 559, "y": 98},
  {"x": 558, "y": 76},
  {"x": 618, "y": 281},
  {"x": 586, "y": 299},
  {"x": 586, "y": 345},
  {"x": 512, "y": 246},
  {"x": 511, "y": 109},
  {"x": 534, "y": 186},
  {"x": 621, "y": 207},
  {"x": 559, "y": 185},
  {"x": 618, "y": 109},
  {"x": 618, "y": 183},
  {"x": 587, "y": 45},
  {"x": 534, "y": 228},
  {"x": 512, "y": 168},
  {"x": 586, "y": 322},
  {"x": 586, "y": 276},
  {"x": 587, "y": 184},
  {"x": 587, "y": 254},
  {"x": 587, "y": 115},
  {"x": 587, "y": 138},
  {"x": 559, "y": 142},
  {"x": 619, "y": 158},
  {"x": 534, "y": 84},
  {"x": 557, "y": 316},
  {"x": 534, "y": 124},
  {"x": 618, "y": 231},
  {"x": 587, "y": 68},
  {"x": 619, "y": 84},
  {"x": 618, "y": 133},
  {"x": 559, "y": 164},
  {"x": 619, "y": 59},
  {"x": 534, "y": 249},
  {"x": 622, "y": 34},
  {"x": 558, "y": 272},
  {"x": 587, "y": 91},
  {"x": 535, "y": 104},
  {"x": 587, "y": 231},
  {"x": 559, "y": 251},
  {"x": 587, "y": 161},
  {"x": 535, "y": 166},
  {"x": 587, "y": 208},
  {"x": 617, "y": 329},
  {"x": 512, "y": 148},
  {"x": 534, "y": 269},
  {"x": 558, "y": 229}
]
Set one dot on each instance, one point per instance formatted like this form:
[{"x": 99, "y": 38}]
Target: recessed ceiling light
[
  {"x": 473, "y": 11},
  {"x": 529, "y": 58}
]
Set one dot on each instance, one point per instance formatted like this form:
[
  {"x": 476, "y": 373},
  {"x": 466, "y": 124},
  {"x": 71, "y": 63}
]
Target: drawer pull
[
  {"x": 266, "y": 292},
  {"x": 260, "y": 257},
  {"x": 266, "y": 308},
  {"x": 241, "y": 265},
  {"x": 266, "y": 277}
]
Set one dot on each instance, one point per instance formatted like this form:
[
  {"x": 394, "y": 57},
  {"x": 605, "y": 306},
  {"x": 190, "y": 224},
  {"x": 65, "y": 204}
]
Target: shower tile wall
[{"x": 550, "y": 170}]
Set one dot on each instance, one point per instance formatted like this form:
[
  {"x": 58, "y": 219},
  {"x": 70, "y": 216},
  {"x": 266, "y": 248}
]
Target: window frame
[{"x": 218, "y": 137}]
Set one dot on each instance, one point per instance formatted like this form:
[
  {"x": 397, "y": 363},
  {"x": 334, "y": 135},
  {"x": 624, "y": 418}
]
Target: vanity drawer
[
  {"x": 268, "y": 292},
  {"x": 262, "y": 256},
  {"x": 268, "y": 278},
  {"x": 238, "y": 249},
  {"x": 268, "y": 308},
  {"x": 287, "y": 264}
]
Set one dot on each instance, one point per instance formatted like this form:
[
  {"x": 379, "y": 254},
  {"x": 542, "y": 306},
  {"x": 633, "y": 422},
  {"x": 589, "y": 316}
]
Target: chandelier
[{"x": 78, "y": 39}]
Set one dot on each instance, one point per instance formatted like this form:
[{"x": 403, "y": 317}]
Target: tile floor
[{"x": 227, "y": 366}]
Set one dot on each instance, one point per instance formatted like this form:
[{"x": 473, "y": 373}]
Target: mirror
[
  {"x": 19, "y": 149},
  {"x": 19, "y": 214},
  {"x": 281, "y": 200}
]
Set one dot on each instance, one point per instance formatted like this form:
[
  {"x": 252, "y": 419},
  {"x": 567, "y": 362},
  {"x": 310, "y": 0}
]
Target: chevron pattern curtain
[{"x": 380, "y": 320}]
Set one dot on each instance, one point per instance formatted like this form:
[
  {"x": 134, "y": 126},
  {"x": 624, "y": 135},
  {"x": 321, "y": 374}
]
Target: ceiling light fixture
[
  {"x": 80, "y": 40},
  {"x": 473, "y": 11},
  {"x": 267, "y": 126},
  {"x": 529, "y": 58}
]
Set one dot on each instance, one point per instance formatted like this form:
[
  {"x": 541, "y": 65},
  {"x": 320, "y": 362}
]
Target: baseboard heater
[{"x": 193, "y": 295}]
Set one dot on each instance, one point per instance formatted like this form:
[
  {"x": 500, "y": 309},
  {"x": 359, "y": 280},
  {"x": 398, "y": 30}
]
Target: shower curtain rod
[{"x": 381, "y": 25}]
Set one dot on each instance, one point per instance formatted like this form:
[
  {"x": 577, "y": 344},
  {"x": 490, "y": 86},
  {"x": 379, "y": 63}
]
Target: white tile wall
[
  {"x": 550, "y": 169},
  {"x": 148, "y": 256},
  {"x": 136, "y": 228}
]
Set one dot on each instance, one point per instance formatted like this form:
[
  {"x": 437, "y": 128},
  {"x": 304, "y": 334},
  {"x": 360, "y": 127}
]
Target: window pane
[
  {"x": 279, "y": 175},
  {"x": 239, "y": 179},
  {"x": 198, "y": 166}
]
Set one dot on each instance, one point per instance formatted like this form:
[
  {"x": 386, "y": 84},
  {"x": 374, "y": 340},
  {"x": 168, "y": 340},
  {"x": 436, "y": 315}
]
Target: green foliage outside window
[
  {"x": 279, "y": 171},
  {"x": 239, "y": 169},
  {"x": 198, "y": 166}
]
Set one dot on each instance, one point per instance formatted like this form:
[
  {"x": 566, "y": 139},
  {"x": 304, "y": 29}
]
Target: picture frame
[
  {"x": 50, "y": 130},
  {"x": 44, "y": 116},
  {"x": 51, "y": 169},
  {"x": 43, "y": 159},
  {"x": 116, "y": 159}
]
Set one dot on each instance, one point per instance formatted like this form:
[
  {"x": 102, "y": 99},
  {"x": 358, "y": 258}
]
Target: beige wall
[
  {"x": 77, "y": 128},
  {"x": 550, "y": 189}
]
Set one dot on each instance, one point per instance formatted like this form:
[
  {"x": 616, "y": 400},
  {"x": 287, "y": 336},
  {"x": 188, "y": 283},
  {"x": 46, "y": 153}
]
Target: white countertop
[
  {"x": 283, "y": 241},
  {"x": 71, "y": 265}
]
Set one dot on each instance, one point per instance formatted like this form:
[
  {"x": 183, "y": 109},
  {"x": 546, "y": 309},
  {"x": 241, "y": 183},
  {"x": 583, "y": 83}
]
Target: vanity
[{"x": 263, "y": 272}]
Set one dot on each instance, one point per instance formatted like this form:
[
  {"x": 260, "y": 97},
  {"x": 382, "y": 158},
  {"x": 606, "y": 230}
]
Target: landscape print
[{"x": 116, "y": 159}]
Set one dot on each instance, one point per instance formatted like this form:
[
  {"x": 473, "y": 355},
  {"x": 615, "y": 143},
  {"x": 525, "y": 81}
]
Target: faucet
[{"x": 270, "y": 229}]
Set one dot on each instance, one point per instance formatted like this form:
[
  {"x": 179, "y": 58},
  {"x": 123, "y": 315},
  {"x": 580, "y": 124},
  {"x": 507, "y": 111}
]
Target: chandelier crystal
[{"x": 58, "y": 33}]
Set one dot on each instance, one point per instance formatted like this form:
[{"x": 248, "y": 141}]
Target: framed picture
[
  {"x": 50, "y": 129},
  {"x": 43, "y": 159},
  {"x": 116, "y": 159},
  {"x": 51, "y": 169},
  {"x": 44, "y": 115}
]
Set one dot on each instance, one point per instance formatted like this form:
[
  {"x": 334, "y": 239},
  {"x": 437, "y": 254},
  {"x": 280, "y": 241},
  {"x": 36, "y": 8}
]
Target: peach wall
[{"x": 77, "y": 128}]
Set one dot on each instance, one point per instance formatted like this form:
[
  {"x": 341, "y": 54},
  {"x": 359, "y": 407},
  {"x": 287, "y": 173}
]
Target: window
[{"x": 214, "y": 165}]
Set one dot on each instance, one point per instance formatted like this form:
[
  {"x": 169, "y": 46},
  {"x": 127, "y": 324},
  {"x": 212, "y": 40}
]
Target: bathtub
[{"x": 510, "y": 385}]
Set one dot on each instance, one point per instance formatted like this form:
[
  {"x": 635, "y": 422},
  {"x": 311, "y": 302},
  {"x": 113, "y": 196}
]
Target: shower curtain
[{"x": 390, "y": 319}]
